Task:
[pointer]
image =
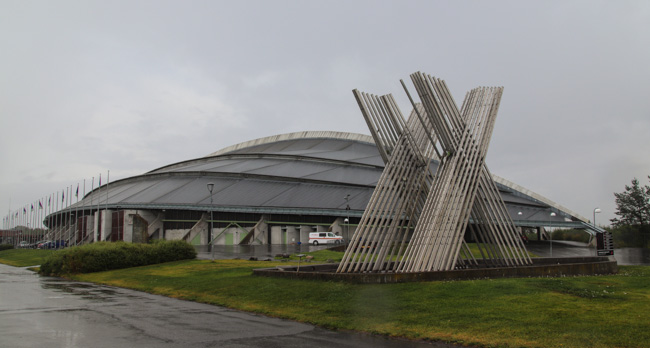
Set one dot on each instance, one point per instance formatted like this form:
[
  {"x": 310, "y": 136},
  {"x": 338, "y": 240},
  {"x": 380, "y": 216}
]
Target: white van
[{"x": 316, "y": 238}]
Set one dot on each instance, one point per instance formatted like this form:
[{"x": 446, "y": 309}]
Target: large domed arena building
[{"x": 272, "y": 190}]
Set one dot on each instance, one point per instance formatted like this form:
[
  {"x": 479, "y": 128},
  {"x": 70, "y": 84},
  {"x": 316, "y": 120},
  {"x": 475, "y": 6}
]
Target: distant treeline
[{"x": 630, "y": 236}]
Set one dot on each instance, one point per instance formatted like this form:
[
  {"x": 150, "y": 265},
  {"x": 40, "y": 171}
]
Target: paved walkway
[{"x": 52, "y": 312}]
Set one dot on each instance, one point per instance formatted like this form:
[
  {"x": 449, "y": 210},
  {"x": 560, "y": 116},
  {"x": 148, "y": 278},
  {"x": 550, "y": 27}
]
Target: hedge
[
  {"x": 6, "y": 247},
  {"x": 104, "y": 256}
]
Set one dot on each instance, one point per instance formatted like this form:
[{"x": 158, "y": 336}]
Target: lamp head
[
  {"x": 210, "y": 187},
  {"x": 597, "y": 210}
]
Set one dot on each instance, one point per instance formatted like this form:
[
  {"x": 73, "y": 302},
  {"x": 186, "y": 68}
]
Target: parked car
[
  {"x": 35, "y": 244},
  {"x": 50, "y": 244},
  {"x": 42, "y": 244},
  {"x": 24, "y": 244},
  {"x": 316, "y": 238}
]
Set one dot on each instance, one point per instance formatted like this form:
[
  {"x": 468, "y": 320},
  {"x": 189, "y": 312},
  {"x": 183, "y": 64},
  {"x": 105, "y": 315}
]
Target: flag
[
  {"x": 62, "y": 196},
  {"x": 77, "y": 193},
  {"x": 100, "y": 180},
  {"x": 24, "y": 211},
  {"x": 40, "y": 205},
  {"x": 32, "y": 206},
  {"x": 49, "y": 201}
]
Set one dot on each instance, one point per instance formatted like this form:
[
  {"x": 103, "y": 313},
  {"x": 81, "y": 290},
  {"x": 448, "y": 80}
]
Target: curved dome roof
[
  {"x": 297, "y": 173},
  {"x": 307, "y": 173}
]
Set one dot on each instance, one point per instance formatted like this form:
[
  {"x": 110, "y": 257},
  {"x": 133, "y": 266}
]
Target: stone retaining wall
[{"x": 542, "y": 267}]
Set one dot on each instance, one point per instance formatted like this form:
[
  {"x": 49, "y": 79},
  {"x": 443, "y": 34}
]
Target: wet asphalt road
[
  {"x": 52, "y": 312},
  {"x": 623, "y": 256}
]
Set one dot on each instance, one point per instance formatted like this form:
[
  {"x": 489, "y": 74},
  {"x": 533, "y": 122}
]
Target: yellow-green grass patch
[{"x": 24, "y": 257}]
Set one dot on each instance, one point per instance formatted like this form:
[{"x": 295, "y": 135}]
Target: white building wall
[{"x": 175, "y": 234}]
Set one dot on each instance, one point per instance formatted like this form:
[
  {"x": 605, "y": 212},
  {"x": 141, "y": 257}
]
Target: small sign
[{"x": 604, "y": 244}]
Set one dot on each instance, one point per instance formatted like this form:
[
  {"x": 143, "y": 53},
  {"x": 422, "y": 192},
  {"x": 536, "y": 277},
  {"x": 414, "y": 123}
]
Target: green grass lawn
[
  {"x": 24, "y": 257},
  {"x": 602, "y": 311}
]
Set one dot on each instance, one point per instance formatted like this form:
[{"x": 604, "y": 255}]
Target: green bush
[
  {"x": 6, "y": 247},
  {"x": 104, "y": 256}
]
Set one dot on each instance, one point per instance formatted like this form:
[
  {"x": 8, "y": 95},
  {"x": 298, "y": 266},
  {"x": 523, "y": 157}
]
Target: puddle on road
[{"x": 86, "y": 291}]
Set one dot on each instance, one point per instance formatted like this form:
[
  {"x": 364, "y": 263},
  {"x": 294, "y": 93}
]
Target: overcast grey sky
[{"x": 130, "y": 86}]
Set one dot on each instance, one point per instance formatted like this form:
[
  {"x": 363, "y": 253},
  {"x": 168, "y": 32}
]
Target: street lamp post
[
  {"x": 210, "y": 241},
  {"x": 521, "y": 229},
  {"x": 596, "y": 210},
  {"x": 347, "y": 220},
  {"x": 550, "y": 233}
]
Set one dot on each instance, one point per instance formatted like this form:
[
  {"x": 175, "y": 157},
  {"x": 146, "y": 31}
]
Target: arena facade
[{"x": 272, "y": 190}]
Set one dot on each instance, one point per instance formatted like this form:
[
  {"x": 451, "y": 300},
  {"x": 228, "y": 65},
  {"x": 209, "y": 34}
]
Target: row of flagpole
[{"x": 43, "y": 218}]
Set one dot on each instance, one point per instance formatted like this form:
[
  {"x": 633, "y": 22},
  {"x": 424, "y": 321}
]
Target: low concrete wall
[{"x": 542, "y": 267}]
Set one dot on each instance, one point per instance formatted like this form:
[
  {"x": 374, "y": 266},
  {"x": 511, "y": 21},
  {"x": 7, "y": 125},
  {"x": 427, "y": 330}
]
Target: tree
[{"x": 633, "y": 206}]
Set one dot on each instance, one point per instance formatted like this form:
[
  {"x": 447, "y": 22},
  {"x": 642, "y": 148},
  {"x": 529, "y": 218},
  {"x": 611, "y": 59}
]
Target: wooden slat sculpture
[{"x": 416, "y": 220}]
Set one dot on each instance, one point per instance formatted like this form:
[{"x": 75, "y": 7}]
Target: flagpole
[
  {"x": 58, "y": 218},
  {"x": 108, "y": 181},
  {"x": 92, "y": 195},
  {"x": 72, "y": 230},
  {"x": 34, "y": 218},
  {"x": 32, "y": 221},
  {"x": 69, "y": 219},
  {"x": 49, "y": 214},
  {"x": 69, "y": 229},
  {"x": 99, "y": 213},
  {"x": 38, "y": 217},
  {"x": 64, "y": 196},
  {"x": 83, "y": 213},
  {"x": 76, "y": 216}
]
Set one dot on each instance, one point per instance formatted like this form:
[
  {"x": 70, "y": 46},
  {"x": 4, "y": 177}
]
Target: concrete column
[
  {"x": 293, "y": 235},
  {"x": 90, "y": 225},
  {"x": 259, "y": 234},
  {"x": 200, "y": 228},
  {"x": 337, "y": 227},
  {"x": 95, "y": 226},
  {"x": 304, "y": 233},
  {"x": 276, "y": 234},
  {"x": 107, "y": 223},
  {"x": 128, "y": 226},
  {"x": 154, "y": 220}
]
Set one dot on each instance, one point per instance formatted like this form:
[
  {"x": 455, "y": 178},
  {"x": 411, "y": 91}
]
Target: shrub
[
  {"x": 6, "y": 247},
  {"x": 104, "y": 256}
]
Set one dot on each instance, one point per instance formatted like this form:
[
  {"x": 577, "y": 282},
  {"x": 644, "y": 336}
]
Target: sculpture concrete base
[{"x": 541, "y": 267}]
